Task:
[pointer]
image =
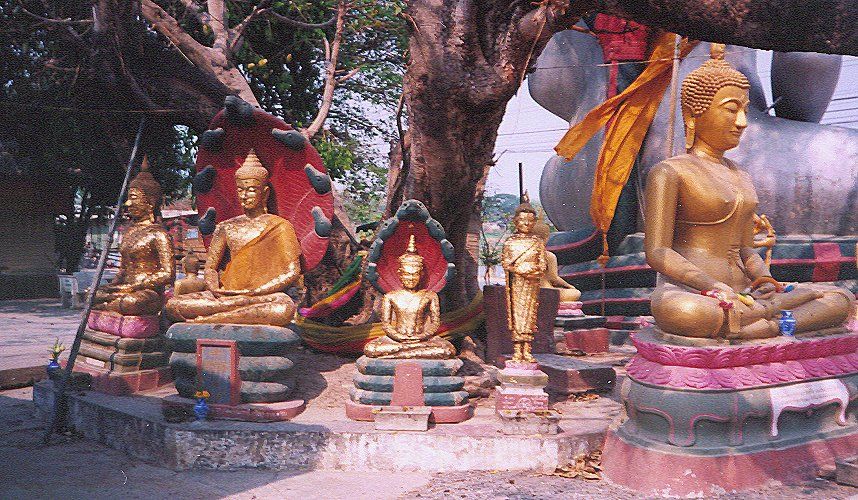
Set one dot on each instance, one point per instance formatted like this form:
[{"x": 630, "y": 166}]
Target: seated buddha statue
[
  {"x": 410, "y": 317},
  {"x": 700, "y": 227},
  {"x": 190, "y": 283},
  {"x": 252, "y": 259},
  {"x": 551, "y": 278},
  {"x": 146, "y": 265}
]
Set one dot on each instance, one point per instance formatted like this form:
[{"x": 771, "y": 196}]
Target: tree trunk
[{"x": 466, "y": 62}]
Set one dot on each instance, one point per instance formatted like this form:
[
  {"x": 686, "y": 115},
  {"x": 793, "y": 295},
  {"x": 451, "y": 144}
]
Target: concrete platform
[{"x": 323, "y": 438}]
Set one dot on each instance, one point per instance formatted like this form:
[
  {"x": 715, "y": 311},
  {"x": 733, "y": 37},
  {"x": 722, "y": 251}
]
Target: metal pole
[
  {"x": 520, "y": 182},
  {"x": 60, "y": 397},
  {"x": 674, "y": 85}
]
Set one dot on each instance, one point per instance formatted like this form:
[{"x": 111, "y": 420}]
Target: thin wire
[{"x": 701, "y": 56}]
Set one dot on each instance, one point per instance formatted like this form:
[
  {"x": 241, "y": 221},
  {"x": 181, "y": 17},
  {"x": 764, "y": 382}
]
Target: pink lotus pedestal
[
  {"x": 708, "y": 418},
  {"x": 129, "y": 327}
]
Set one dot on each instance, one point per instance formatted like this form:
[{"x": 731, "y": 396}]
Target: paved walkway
[
  {"x": 28, "y": 329},
  {"x": 72, "y": 468}
]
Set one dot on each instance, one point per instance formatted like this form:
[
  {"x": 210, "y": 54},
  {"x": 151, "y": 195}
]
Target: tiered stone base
[
  {"x": 124, "y": 354},
  {"x": 442, "y": 389},
  {"x": 264, "y": 370},
  {"x": 570, "y": 309},
  {"x": 522, "y": 403},
  {"x": 708, "y": 418}
]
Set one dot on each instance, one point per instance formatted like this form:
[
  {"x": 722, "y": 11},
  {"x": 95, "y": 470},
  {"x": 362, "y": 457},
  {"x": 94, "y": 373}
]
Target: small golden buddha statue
[
  {"x": 523, "y": 259},
  {"x": 146, "y": 265},
  {"x": 191, "y": 282},
  {"x": 700, "y": 227},
  {"x": 253, "y": 258},
  {"x": 551, "y": 278},
  {"x": 410, "y": 317}
]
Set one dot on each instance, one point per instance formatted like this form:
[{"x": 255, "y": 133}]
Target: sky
[{"x": 529, "y": 133}]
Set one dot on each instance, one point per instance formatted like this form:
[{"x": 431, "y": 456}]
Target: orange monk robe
[
  {"x": 628, "y": 116},
  {"x": 274, "y": 252}
]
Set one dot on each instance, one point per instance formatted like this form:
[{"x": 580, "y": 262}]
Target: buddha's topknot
[{"x": 701, "y": 85}]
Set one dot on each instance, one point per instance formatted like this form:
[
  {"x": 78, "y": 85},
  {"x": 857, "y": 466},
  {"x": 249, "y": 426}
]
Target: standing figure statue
[
  {"x": 523, "y": 260},
  {"x": 700, "y": 228},
  {"x": 252, "y": 260},
  {"x": 410, "y": 317},
  {"x": 146, "y": 267}
]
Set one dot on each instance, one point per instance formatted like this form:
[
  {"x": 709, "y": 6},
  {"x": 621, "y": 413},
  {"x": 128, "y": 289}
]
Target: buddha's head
[
  {"x": 410, "y": 266},
  {"x": 251, "y": 184},
  {"x": 144, "y": 195},
  {"x": 191, "y": 264},
  {"x": 715, "y": 103},
  {"x": 541, "y": 228},
  {"x": 525, "y": 217}
]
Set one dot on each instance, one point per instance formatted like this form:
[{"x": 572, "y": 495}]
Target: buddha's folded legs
[
  {"x": 139, "y": 303},
  {"x": 204, "y": 307},
  {"x": 685, "y": 313},
  {"x": 434, "y": 348}
]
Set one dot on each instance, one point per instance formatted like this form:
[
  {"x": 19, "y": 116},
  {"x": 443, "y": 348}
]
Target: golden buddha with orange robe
[
  {"x": 410, "y": 317},
  {"x": 700, "y": 210},
  {"x": 252, "y": 260},
  {"x": 146, "y": 266}
]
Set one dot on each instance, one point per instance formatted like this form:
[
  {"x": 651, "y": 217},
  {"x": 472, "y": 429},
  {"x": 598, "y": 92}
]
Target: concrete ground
[
  {"x": 28, "y": 329},
  {"x": 73, "y": 468}
]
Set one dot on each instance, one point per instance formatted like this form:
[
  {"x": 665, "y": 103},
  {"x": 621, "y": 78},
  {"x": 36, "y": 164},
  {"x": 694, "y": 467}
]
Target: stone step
[
  {"x": 113, "y": 360},
  {"x": 252, "y": 340},
  {"x": 579, "y": 322},
  {"x": 431, "y": 367},
  {"x": 127, "y": 345},
  {"x": 430, "y": 398},
  {"x": 250, "y": 369},
  {"x": 251, "y": 392},
  {"x": 383, "y": 383}
]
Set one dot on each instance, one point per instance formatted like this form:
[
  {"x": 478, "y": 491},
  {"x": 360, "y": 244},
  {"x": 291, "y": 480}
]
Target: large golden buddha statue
[
  {"x": 252, "y": 260},
  {"x": 700, "y": 226},
  {"x": 146, "y": 266},
  {"x": 410, "y": 317}
]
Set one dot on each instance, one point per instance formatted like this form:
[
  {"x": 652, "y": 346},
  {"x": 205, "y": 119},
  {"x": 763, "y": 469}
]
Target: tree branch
[
  {"x": 301, "y": 24},
  {"x": 217, "y": 11},
  {"x": 237, "y": 34},
  {"x": 829, "y": 26},
  {"x": 51, "y": 20},
  {"x": 165, "y": 24},
  {"x": 330, "y": 73}
]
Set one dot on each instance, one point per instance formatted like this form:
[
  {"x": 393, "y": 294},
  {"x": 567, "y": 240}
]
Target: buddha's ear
[{"x": 689, "y": 132}]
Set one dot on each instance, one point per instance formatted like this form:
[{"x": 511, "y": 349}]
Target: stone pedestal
[
  {"x": 442, "y": 389},
  {"x": 570, "y": 310},
  {"x": 264, "y": 370},
  {"x": 706, "y": 417},
  {"x": 521, "y": 402},
  {"x": 588, "y": 341},
  {"x": 124, "y": 354}
]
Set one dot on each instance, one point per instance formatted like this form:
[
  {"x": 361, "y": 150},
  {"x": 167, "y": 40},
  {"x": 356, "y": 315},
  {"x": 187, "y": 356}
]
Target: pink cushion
[{"x": 132, "y": 327}]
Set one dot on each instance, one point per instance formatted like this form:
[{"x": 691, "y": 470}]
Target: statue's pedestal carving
[
  {"x": 129, "y": 327},
  {"x": 442, "y": 389},
  {"x": 124, "y": 354},
  {"x": 521, "y": 401},
  {"x": 704, "y": 418},
  {"x": 570, "y": 309},
  {"x": 264, "y": 371}
]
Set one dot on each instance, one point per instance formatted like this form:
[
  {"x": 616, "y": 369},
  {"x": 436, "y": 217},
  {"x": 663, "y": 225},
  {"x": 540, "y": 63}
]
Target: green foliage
[
  {"x": 499, "y": 208},
  {"x": 360, "y": 180}
]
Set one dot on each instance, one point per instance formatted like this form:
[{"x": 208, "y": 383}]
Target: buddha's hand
[
  {"x": 764, "y": 291},
  {"x": 222, "y": 292},
  {"x": 726, "y": 291}
]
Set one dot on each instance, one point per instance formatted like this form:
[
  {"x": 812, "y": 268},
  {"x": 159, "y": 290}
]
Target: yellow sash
[
  {"x": 263, "y": 258},
  {"x": 628, "y": 116}
]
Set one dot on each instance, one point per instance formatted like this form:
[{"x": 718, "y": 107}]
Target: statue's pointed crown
[
  {"x": 146, "y": 182},
  {"x": 411, "y": 256},
  {"x": 701, "y": 85},
  {"x": 252, "y": 168}
]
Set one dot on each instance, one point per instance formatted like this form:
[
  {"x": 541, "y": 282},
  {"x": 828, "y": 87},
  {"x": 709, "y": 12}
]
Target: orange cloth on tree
[
  {"x": 628, "y": 115},
  {"x": 263, "y": 258}
]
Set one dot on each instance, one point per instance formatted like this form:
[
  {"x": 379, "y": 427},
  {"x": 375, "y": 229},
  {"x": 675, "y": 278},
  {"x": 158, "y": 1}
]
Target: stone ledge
[{"x": 136, "y": 425}]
